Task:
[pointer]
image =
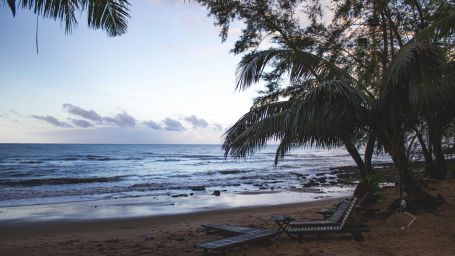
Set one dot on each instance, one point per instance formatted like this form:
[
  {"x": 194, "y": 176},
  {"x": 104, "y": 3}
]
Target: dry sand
[{"x": 433, "y": 233}]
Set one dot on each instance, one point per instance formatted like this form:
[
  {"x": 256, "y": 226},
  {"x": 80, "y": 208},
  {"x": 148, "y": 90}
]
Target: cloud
[
  {"x": 81, "y": 123},
  {"x": 172, "y": 125},
  {"x": 52, "y": 120},
  {"x": 15, "y": 112},
  {"x": 196, "y": 122},
  {"x": 78, "y": 111},
  {"x": 122, "y": 120},
  {"x": 217, "y": 127},
  {"x": 152, "y": 124}
]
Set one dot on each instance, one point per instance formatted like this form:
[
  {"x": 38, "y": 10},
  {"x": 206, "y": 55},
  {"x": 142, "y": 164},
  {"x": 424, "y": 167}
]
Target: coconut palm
[
  {"x": 109, "y": 15},
  {"x": 321, "y": 109},
  {"x": 419, "y": 83}
]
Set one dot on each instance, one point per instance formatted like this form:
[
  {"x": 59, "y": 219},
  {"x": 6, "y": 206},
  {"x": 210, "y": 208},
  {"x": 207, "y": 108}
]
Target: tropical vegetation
[{"x": 378, "y": 75}]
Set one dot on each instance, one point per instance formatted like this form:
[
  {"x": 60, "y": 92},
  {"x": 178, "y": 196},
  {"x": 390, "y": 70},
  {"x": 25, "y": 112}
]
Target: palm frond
[
  {"x": 321, "y": 116},
  {"x": 332, "y": 109},
  {"x": 58, "y": 10},
  {"x": 422, "y": 77},
  {"x": 443, "y": 25},
  {"x": 252, "y": 131},
  {"x": 300, "y": 65},
  {"x": 250, "y": 68},
  {"x": 12, "y": 6},
  {"x": 110, "y": 15}
]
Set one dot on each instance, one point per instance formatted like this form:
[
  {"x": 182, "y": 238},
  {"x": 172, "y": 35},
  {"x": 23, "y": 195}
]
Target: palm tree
[
  {"x": 322, "y": 108},
  {"x": 109, "y": 15}
]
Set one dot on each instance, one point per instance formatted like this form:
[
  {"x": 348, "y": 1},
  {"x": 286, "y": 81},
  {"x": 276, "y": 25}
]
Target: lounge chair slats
[
  {"x": 236, "y": 240},
  {"x": 335, "y": 223},
  {"x": 229, "y": 228}
]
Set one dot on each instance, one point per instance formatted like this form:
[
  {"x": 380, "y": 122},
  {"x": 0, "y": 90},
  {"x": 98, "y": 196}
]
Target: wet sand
[{"x": 433, "y": 233}]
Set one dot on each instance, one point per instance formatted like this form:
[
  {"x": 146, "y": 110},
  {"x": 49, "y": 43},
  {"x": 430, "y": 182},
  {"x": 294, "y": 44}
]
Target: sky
[{"x": 169, "y": 79}]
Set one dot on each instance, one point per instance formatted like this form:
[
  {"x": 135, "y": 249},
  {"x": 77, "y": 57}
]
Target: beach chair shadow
[{"x": 335, "y": 223}]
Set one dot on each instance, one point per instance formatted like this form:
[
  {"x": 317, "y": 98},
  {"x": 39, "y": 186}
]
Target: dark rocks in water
[
  {"x": 236, "y": 185},
  {"x": 322, "y": 179},
  {"x": 333, "y": 182},
  {"x": 191, "y": 194},
  {"x": 310, "y": 183},
  {"x": 198, "y": 188},
  {"x": 216, "y": 193},
  {"x": 180, "y": 195},
  {"x": 320, "y": 174}
]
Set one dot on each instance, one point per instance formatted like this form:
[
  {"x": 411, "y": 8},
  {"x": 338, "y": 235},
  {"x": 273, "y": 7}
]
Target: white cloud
[
  {"x": 172, "y": 125},
  {"x": 78, "y": 111},
  {"x": 196, "y": 122},
  {"x": 81, "y": 123},
  {"x": 121, "y": 120},
  {"x": 152, "y": 124},
  {"x": 52, "y": 120}
]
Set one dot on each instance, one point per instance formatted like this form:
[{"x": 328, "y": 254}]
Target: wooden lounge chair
[
  {"x": 336, "y": 223},
  {"x": 242, "y": 235}
]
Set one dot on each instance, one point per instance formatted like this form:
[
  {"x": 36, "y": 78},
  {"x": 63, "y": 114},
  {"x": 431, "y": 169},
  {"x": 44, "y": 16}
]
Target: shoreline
[
  {"x": 24, "y": 224},
  {"x": 150, "y": 206},
  {"x": 170, "y": 235}
]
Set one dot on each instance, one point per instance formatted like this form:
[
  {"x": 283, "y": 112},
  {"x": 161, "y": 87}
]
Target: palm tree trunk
[
  {"x": 429, "y": 164},
  {"x": 369, "y": 151},
  {"x": 417, "y": 197},
  {"x": 435, "y": 135},
  {"x": 351, "y": 148}
]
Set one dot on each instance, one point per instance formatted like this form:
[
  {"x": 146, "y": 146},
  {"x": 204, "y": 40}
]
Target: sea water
[{"x": 33, "y": 174}]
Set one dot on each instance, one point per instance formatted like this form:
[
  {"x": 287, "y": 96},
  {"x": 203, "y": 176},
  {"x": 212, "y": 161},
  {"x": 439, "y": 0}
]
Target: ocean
[{"x": 42, "y": 174}]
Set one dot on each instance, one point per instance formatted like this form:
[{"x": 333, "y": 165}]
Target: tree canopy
[{"x": 377, "y": 74}]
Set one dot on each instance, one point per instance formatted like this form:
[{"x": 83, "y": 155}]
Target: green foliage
[
  {"x": 109, "y": 15},
  {"x": 399, "y": 78},
  {"x": 373, "y": 180}
]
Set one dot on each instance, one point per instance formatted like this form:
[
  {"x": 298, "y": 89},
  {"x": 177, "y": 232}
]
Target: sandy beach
[{"x": 433, "y": 233}]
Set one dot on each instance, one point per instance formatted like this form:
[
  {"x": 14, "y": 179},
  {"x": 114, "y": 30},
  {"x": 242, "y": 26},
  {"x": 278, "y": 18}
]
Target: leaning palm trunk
[
  {"x": 440, "y": 170},
  {"x": 354, "y": 153},
  {"x": 369, "y": 148}
]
